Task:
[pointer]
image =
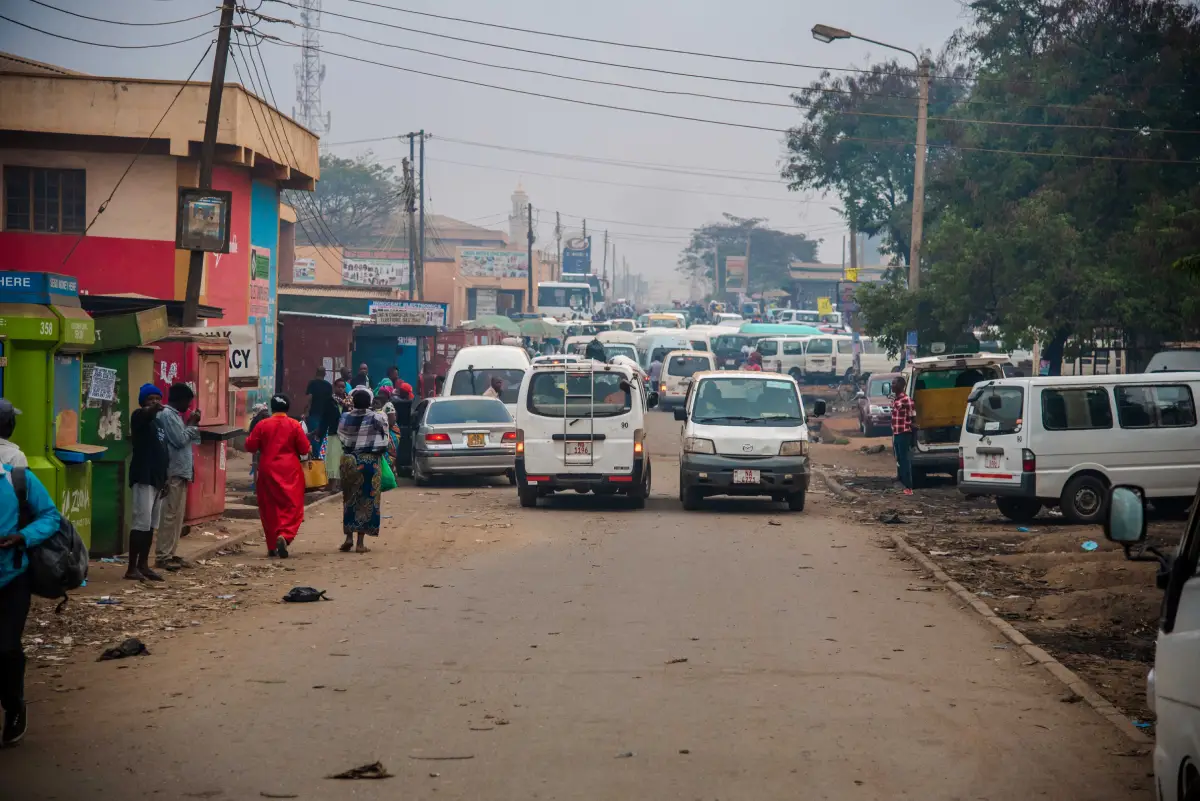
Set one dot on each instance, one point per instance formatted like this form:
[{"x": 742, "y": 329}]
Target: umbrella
[
  {"x": 539, "y": 329},
  {"x": 503, "y": 324},
  {"x": 775, "y": 293}
]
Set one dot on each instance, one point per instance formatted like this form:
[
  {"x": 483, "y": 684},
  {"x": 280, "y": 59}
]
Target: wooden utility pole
[
  {"x": 410, "y": 208},
  {"x": 208, "y": 149},
  {"x": 421, "y": 255},
  {"x": 918, "y": 216},
  {"x": 558, "y": 244},
  {"x": 604, "y": 268},
  {"x": 529, "y": 272}
]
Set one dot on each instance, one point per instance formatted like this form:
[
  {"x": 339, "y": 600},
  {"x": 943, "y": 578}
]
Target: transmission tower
[{"x": 310, "y": 72}]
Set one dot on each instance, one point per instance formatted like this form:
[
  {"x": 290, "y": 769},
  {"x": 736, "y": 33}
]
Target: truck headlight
[
  {"x": 795, "y": 447},
  {"x": 698, "y": 445}
]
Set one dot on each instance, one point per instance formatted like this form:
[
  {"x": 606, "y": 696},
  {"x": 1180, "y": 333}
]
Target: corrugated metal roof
[{"x": 351, "y": 317}]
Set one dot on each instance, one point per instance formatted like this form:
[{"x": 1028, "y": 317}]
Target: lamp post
[{"x": 827, "y": 34}]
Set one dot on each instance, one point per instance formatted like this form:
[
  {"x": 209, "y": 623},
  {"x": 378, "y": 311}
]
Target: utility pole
[
  {"x": 410, "y": 209},
  {"x": 918, "y": 217},
  {"x": 604, "y": 273},
  {"x": 558, "y": 244},
  {"x": 208, "y": 149},
  {"x": 421, "y": 263},
  {"x": 529, "y": 272},
  {"x": 585, "y": 229}
]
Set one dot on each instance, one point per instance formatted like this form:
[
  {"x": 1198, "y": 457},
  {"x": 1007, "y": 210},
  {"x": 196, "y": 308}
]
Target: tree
[
  {"x": 771, "y": 251},
  {"x": 353, "y": 198}
]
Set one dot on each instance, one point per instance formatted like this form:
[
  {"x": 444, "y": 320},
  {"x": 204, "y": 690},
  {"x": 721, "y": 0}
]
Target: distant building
[{"x": 811, "y": 281}]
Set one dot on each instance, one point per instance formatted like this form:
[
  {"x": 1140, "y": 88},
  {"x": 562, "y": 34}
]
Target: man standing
[
  {"x": 903, "y": 432},
  {"x": 181, "y": 434},
  {"x": 18, "y": 533},
  {"x": 363, "y": 379},
  {"x": 322, "y": 415},
  {"x": 655, "y": 369},
  {"x": 147, "y": 480}
]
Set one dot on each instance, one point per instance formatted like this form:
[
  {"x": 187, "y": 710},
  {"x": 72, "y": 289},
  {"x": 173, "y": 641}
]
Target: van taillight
[
  {"x": 961, "y": 465},
  {"x": 1028, "y": 461},
  {"x": 520, "y": 434},
  {"x": 639, "y": 436}
]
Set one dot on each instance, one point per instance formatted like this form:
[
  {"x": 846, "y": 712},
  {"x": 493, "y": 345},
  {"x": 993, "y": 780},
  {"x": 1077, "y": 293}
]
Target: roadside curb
[
  {"x": 1055, "y": 668},
  {"x": 210, "y": 549}
]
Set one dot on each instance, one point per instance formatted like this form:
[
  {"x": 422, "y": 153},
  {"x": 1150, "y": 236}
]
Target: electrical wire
[
  {"x": 141, "y": 149},
  {"x": 118, "y": 22},
  {"x": 102, "y": 44},
  {"x": 746, "y": 126}
]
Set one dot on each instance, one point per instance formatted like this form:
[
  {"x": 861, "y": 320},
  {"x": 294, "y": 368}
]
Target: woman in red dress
[{"x": 279, "y": 441}]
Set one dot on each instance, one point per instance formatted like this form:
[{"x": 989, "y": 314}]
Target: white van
[
  {"x": 728, "y": 319},
  {"x": 661, "y": 342},
  {"x": 799, "y": 316},
  {"x": 783, "y": 355},
  {"x": 677, "y": 371},
  {"x": 745, "y": 433},
  {"x": 826, "y": 357},
  {"x": 1064, "y": 440},
  {"x": 475, "y": 366},
  {"x": 582, "y": 427},
  {"x": 1172, "y": 692}
]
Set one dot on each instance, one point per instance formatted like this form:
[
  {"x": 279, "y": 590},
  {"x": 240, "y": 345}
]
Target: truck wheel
[
  {"x": 1019, "y": 510},
  {"x": 1084, "y": 499},
  {"x": 528, "y": 496},
  {"x": 795, "y": 501}
]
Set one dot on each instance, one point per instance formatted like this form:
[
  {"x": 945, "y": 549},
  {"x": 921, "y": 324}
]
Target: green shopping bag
[{"x": 388, "y": 481}]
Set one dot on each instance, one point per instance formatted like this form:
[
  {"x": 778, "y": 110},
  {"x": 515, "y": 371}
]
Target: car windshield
[
  {"x": 880, "y": 388},
  {"x": 747, "y": 401},
  {"x": 467, "y": 411},
  {"x": 687, "y": 365},
  {"x": 600, "y": 394},
  {"x": 622, "y": 325},
  {"x": 729, "y": 343},
  {"x": 956, "y": 377},
  {"x": 477, "y": 381},
  {"x": 993, "y": 411},
  {"x": 621, "y": 350}
]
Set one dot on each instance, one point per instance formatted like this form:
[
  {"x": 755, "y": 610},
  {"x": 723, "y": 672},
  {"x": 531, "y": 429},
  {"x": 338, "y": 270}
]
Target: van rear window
[
  {"x": 768, "y": 347},
  {"x": 684, "y": 366},
  {"x": 955, "y": 378},
  {"x": 995, "y": 411},
  {"x": 555, "y": 394},
  {"x": 820, "y": 346}
]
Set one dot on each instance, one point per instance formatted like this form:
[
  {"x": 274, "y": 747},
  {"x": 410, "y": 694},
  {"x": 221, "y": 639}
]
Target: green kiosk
[{"x": 43, "y": 336}]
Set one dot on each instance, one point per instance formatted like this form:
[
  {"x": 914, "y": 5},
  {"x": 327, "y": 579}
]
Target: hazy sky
[{"x": 649, "y": 226}]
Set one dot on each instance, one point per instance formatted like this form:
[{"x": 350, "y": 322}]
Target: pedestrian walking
[
  {"x": 281, "y": 441},
  {"x": 322, "y": 412},
  {"x": 18, "y": 533},
  {"x": 904, "y": 431},
  {"x": 181, "y": 434},
  {"x": 147, "y": 480},
  {"x": 365, "y": 436}
]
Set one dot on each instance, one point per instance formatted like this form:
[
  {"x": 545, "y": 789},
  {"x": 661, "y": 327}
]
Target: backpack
[{"x": 60, "y": 563}]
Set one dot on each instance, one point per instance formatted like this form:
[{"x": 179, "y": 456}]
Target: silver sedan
[{"x": 464, "y": 436}]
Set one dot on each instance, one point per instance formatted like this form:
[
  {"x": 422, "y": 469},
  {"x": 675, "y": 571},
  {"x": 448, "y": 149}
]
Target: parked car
[
  {"x": 744, "y": 433},
  {"x": 875, "y": 405},
  {"x": 1056, "y": 441},
  {"x": 1168, "y": 361},
  {"x": 1172, "y": 692},
  {"x": 462, "y": 436}
]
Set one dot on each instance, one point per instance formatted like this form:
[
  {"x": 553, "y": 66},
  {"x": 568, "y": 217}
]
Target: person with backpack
[
  {"x": 147, "y": 480},
  {"x": 19, "y": 533}
]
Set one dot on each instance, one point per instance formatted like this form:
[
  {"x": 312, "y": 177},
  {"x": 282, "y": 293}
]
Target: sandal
[
  {"x": 346, "y": 546},
  {"x": 362, "y": 549}
]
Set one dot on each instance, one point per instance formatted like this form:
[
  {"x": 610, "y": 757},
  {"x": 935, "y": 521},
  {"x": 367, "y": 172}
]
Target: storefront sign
[
  {"x": 577, "y": 255},
  {"x": 304, "y": 271},
  {"x": 394, "y": 316},
  {"x": 434, "y": 313},
  {"x": 375, "y": 272},
  {"x": 40, "y": 288},
  {"x": 494, "y": 263},
  {"x": 243, "y": 349}
]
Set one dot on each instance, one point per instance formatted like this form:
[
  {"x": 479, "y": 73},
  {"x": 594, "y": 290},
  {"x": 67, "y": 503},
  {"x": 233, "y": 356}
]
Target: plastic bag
[{"x": 389, "y": 478}]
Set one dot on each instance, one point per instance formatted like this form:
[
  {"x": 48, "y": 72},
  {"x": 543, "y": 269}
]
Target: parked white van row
[
  {"x": 1065, "y": 440},
  {"x": 823, "y": 358}
]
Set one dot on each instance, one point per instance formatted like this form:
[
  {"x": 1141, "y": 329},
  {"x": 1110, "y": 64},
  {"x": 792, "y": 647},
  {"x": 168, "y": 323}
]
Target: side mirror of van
[
  {"x": 1125, "y": 519},
  {"x": 818, "y": 408},
  {"x": 681, "y": 414},
  {"x": 651, "y": 400}
]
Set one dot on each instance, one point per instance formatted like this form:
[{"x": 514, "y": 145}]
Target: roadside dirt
[{"x": 1093, "y": 610}]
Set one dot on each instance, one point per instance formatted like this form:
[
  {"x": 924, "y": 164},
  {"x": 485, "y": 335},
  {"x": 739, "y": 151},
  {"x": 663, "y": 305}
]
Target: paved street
[{"x": 592, "y": 653}]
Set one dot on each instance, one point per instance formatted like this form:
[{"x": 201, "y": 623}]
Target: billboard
[
  {"x": 735, "y": 273},
  {"x": 375, "y": 272},
  {"x": 494, "y": 263},
  {"x": 435, "y": 313},
  {"x": 577, "y": 255},
  {"x": 304, "y": 271}
]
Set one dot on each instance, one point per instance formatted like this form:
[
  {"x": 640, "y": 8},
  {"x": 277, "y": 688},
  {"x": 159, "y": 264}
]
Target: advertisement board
[
  {"x": 434, "y": 313},
  {"x": 735, "y": 273},
  {"x": 494, "y": 263},
  {"x": 375, "y": 272},
  {"x": 304, "y": 271},
  {"x": 577, "y": 255},
  {"x": 243, "y": 349}
]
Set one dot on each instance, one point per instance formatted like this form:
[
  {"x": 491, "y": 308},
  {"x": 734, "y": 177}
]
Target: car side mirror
[
  {"x": 1125, "y": 518},
  {"x": 819, "y": 409},
  {"x": 651, "y": 400},
  {"x": 681, "y": 415}
]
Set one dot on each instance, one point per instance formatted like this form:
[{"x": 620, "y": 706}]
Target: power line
[
  {"x": 138, "y": 154},
  {"x": 102, "y": 44},
  {"x": 118, "y": 22},
  {"x": 746, "y": 126}
]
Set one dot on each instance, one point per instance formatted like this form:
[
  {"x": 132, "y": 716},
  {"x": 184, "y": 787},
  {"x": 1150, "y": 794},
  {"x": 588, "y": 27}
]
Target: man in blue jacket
[{"x": 15, "y": 540}]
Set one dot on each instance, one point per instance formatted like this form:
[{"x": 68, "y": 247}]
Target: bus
[
  {"x": 591, "y": 280},
  {"x": 565, "y": 300}
]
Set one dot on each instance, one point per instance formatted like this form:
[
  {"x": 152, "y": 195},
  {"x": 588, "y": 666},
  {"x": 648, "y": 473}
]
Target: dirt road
[{"x": 581, "y": 651}]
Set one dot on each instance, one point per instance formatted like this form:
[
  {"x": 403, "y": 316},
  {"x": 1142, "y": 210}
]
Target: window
[
  {"x": 845, "y": 346},
  {"x": 768, "y": 347},
  {"x": 995, "y": 411},
  {"x": 956, "y": 378},
  {"x": 44, "y": 201},
  {"x": 1155, "y": 407},
  {"x": 747, "y": 401},
  {"x": 683, "y": 366},
  {"x": 596, "y": 394},
  {"x": 880, "y": 388},
  {"x": 820, "y": 347},
  {"x": 793, "y": 348},
  {"x": 1075, "y": 409},
  {"x": 478, "y": 381},
  {"x": 468, "y": 411}
]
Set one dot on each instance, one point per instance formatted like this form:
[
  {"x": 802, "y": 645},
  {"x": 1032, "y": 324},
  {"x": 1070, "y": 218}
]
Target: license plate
[
  {"x": 991, "y": 461},
  {"x": 579, "y": 449},
  {"x": 746, "y": 477},
  {"x": 476, "y": 440}
]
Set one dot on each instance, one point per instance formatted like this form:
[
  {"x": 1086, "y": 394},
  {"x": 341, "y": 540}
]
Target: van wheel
[
  {"x": 797, "y": 375},
  {"x": 528, "y": 496},
  {"x": 1019, "y": 510},
  {"x": 1084, "y": 499},
  {"x": 795, "y": 501},
  {"x": 691, "y": 498}
]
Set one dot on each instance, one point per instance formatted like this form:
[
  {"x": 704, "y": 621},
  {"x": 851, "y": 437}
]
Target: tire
[
  {"x": 642, "y": 492},
  {"x": 528, "y": 497},
  {"x": 795, "y": 501},
  {"x": 1084, "y": 499},
  {"x": 796, "y": 375},
  {"x": 1019, "y": 510},
  {"x": 418, "y": 476},
  {"x": 692, "y": 499}
]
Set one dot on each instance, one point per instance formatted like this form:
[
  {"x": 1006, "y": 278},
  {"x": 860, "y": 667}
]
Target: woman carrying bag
[{"x": 364, "y": 435}]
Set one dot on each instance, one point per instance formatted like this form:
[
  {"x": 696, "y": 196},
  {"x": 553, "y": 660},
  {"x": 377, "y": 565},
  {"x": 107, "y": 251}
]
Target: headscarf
[
  {"x": 385, "y": 390},
  {"x": 146, "y": 391},
  {"x": 387, "y": 382},
  {"x": 405, "y": 391}
]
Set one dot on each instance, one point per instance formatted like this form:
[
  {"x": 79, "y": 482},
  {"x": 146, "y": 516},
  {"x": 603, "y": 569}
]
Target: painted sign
[
  {"x": 394, "y": 316},
  {"x": 260, "y": 282},
  {"x": 375, "y": 272},
  {"x": 435, "y": 313},
  {"x": 824, "y": 306},
  {"x": 577, "y": 255},
  {"x": 485, "y": 302},
  {"x": 304, "y": 271},
  {"x": 243, "y": 349},
  {"x": 735, "y": 273},
  {"x": 494, "y": 263},
  {"x": 39, "y": 288}
]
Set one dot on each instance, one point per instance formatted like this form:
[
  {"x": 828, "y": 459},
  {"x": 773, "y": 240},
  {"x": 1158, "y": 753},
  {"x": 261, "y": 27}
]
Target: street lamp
[{"x": 827, "y": 34}]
